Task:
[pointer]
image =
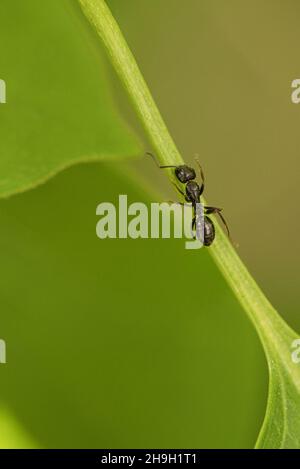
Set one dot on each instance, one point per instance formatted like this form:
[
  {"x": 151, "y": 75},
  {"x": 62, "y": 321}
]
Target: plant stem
[
  {"x": 125, "y": 65},
  {"x": 271, "y": 328}
]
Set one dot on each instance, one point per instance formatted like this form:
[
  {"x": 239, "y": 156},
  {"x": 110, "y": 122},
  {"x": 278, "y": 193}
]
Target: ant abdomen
[{"x": 209, "y": 232}]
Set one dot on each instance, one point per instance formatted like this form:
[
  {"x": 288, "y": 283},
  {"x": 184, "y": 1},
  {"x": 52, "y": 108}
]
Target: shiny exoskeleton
[{"x": 193, "y": 191}]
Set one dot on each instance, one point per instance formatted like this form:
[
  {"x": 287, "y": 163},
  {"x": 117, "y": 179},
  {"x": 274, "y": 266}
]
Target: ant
[{"x": 193, "y": 191}]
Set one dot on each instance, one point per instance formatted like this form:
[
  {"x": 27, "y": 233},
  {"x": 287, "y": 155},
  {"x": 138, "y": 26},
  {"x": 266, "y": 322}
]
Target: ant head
[{"x": 184, "y": 173}]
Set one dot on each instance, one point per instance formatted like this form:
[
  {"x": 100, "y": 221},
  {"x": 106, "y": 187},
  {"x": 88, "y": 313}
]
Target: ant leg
[
  {"x": 156, "y": 162},
  {"x": 201, "y": 174},
  {"x": 194, "y": 225},
  {"x": 216, "y": 210},
  {"x": 179, "y": 190},
  {"x": 210, "y": 210}
]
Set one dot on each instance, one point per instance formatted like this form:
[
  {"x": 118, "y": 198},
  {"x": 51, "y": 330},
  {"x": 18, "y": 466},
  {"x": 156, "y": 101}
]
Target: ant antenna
[
  {"x": 156, "y": 162},
  {"x": 225, "y": 224}
]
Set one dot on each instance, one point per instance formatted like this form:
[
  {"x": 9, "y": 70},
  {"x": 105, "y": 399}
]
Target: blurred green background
[
  {"x": 221, "y": 74},
  {"x": 139, "y": 343}
]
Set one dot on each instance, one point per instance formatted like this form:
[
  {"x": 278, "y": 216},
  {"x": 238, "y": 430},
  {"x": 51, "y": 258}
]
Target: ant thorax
[{"x": 193, "y": 192}]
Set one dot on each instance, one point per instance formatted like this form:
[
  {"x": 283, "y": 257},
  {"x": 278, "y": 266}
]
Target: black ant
[{"x": 187, "y": 175}]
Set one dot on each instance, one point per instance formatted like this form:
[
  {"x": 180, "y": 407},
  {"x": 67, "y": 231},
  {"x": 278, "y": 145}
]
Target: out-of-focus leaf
[
  {"x": 13, "y": 435},
  {"x": 59, "y": 110},
  {"x": 119, "y": 343}
]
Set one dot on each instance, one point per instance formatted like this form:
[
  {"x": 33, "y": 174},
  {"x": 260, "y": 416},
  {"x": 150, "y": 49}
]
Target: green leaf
[
  {"x": 69, "y": 317},
  {"x": 59, "y": 110},
  {"x": 281, "y": 428},
  {"x": 282, "y": 423},
  {"x": 12, "y": 434},
  {"x": 108, "y": 343}
]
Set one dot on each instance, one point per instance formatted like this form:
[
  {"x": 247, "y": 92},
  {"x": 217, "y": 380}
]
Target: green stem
[
  {"x": 125, "y": 65},
  {"x": 270, "y": 327}
]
